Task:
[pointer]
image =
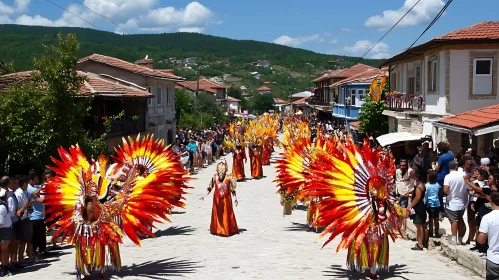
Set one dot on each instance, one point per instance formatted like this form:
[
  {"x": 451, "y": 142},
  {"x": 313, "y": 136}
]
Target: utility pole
[{"x": 197, "y": 85}]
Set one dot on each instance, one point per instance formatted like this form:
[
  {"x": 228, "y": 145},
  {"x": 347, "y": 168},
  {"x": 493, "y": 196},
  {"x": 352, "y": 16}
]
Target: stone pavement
[{"x": 269, "y": 246}]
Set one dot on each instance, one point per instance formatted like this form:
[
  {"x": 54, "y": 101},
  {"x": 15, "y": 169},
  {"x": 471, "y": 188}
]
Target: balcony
[
  {"x": 347, "y": 112},
  {"x": 127, "y": 125},
  {"x": 405, "y": 102}
]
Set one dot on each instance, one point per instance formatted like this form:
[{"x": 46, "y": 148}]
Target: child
[{"x": 432, "y": 203}]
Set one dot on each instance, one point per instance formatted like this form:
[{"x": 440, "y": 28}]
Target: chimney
[{"x": 148, "y": 62}]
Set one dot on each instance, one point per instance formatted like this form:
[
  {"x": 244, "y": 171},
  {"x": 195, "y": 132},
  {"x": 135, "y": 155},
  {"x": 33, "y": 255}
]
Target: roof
[
  {"x": 204, "y": 85},
  {"x": 301, "y": 101},
  {"x": 128, "y": 66},
  {"x": 474, "y": 118},
  {"x": 279, "y": 101},
  {"x": 482, "y": 32},
  {"x": 345, "y": 73},
  {"x": 232, "y": 99},
  {"x": 246, "y": 94},
  {"x": 302, "y": 94},
  {"x": 94, "y": 85},
  {"x": 264, "y": 88},
  {"x": 364, "y": 77},
  {"x": 354, "y": 124}
]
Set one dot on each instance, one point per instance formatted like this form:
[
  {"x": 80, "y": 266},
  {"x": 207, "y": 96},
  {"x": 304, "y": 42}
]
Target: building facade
[{"x": 161, "y": 117}]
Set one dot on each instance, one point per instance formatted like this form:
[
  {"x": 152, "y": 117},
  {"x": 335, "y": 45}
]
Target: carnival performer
[
  {"x": 255, "y": 154},
  {"x": 95, "y": 206},
  {"x": 266, "y": 151},
  {"x": 239, "y": 155},
  {"x": 223, "y": 219},
  {"x": 359, "y": 201}
]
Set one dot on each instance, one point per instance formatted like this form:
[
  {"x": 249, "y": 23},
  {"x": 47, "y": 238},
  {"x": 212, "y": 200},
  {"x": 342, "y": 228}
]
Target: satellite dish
[{"x": 147, "y": 56}]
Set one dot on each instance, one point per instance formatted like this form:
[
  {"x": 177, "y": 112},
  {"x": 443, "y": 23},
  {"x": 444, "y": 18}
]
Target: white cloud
[
  {"x": 6, "y": 11},
  {"x": 295, "y": 42},
  {"x": 423, "y": 12},
  {"x": 346, "y": 29},
  {"x": 191, "y": 29},
  {"x": 131, "y": 15},
  {"x": 360, "y": 47},
  {"x": 334, "y": 41},
  {"x": 5, "y": 19}
]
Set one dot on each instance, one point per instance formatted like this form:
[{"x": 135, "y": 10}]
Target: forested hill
[{"x": 20, "y": 44}]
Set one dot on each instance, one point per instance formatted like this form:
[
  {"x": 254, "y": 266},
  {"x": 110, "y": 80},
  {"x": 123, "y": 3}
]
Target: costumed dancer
[
  {"x": 360, "y": 204},
  {"x": 95, "y": 206},
  {"x": 255, "y": 154},
  {"x": 266, "y": 151},
  {"x": 223, "y": 219},
  {"x": 239, "y": 155}
]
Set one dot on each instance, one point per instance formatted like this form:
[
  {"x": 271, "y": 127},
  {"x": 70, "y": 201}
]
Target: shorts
[
  {"x": 26, "y": 231},
  {"x": 419, "y": 218},
  {"x": 433, "y": 212},
  {"x": 470, "y": 213},
  {"x": 492, "y": 270},
  {"x": 17, "y": 229},
  {"x": 6, "y": 234},
  {"x": 454, "y": 216},
  {"x": 404, "y": 202}
]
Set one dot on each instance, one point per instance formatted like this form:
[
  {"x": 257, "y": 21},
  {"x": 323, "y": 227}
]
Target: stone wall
[{"x": 454, "y": 140}]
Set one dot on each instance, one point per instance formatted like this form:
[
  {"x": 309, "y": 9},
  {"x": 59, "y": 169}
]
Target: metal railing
[{"x": 405, "y": 102}]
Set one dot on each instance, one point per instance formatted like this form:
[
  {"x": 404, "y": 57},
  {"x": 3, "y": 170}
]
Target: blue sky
[{"x": 325, "y": 26}]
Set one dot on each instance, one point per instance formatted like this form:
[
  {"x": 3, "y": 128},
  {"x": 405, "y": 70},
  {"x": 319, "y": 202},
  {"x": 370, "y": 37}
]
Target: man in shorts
[
  {"x": 456, "y": 190},
  {"x": 489, "y": 229}
]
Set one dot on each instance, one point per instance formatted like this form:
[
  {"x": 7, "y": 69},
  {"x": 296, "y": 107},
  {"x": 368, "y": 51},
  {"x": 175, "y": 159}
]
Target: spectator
[
  {"x": 14, "y": 207},
  {"x": 417, "y": 208},
  {"x": 26, "y": 227},
  {"x": 442, "y": 169},
  {"x": 489, "y": 229},
  {"x": 37, "y": 217},
  {"x": 433, "y": 203},
  {"x": 457, "y": 198},
  {"x": 6, "y": 231},
  {"x": 403, "y": 184},
  {"x": 482, "y": 206},
  {"x": 467, "y": 172}
]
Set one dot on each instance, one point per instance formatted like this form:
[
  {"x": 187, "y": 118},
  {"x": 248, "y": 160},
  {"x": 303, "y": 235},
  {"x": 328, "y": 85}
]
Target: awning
[
  {"x": 464, "y": 130},
  {"x": 392, "y": 138}
]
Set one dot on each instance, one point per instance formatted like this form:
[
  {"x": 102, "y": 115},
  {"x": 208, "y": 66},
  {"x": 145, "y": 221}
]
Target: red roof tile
[
  {"x": 246, "y": 94},
  {"x": 204, "y": 85},
  {"x": 279, "y": 101},
  {"x": 94, "y": 85},
  {"x": 345, "y": 73},
  {"x": 355, "y": 124},
  {"x": 264, "y": 88},
  {"x": 481, "y": 30},
  {"x": 301, "y": 101},
  {"x": 142, "y": 70},
  {"x": 474, "y": 118},
  {"x": 232, "y": 99},
  {"x": 364, "y": 77}
]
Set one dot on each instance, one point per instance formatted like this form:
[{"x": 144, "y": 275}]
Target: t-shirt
[
  {"x": 432, "y": 195},
  {"x": 5, "y": 220},
  {"x": 490, "y": 226},
  {"x": 38, "y": 207},
  {"x": 443, "y": 163},
  {"x": 403, "y": 183},
  {"x": 193, "y": 147},
  {"x": 457, "y": 198},
  {"x": 22, "y": 199}
]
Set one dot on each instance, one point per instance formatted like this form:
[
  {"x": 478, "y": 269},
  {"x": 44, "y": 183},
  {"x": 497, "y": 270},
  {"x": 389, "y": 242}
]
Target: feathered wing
[{"x": 152, "y": 194}]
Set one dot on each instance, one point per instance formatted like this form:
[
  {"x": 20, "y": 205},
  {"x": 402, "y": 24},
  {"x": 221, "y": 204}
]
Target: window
[
  {"x": 482, "y": 76},
  {"x": 432, "y": 76},
  {"x": 361, "y": 98},
  {"x": 168, "y": 100},
  {"x": 393, "y": 81},
  {"x": 353, "y": 96},
  {"x": 418, "y": 80},
  {"x": 411, "y": 85},
  {"x": 159, "y": 96},
  {"x": 342, "y": 96},
  {"x": 150, "y": 101}
]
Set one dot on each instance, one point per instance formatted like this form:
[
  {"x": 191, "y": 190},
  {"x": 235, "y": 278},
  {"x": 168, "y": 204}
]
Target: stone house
[
  {"x": 445, "y": 76},
  {"x": 161, "y": 117}
]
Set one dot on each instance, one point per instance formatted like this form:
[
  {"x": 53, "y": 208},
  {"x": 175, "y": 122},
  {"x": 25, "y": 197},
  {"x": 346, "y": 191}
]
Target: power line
[
  {"x": 427, "y": 28},
  {"x": 81, "y": 3},
  {"x": 372, "y": 47},
  {"x": 74, "y": 15}
]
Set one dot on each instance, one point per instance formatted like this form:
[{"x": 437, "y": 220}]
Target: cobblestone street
[{"x": 269, "y": 246}]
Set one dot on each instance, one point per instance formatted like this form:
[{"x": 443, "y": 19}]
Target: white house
[
  {"x": 256, "y": 75},
  {"x": 445, "y": 76}
]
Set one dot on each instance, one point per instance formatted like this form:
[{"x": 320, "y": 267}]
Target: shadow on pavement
[
  {"x": 177, "y": 212},
  {"x": 303, "y": 227},
  {"x": 301, "y": 207},
  {"x": 175, "y": 230},
  {"x": 158, "y": 269},
  {"x": 395, "y": 271},
  {"x": 45, "y": 261}
]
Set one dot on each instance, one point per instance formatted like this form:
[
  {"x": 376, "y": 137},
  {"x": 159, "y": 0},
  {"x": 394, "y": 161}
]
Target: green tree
[
  {"x": 372, "y": 119},
  {"x": 44, "y": 113},
  {"x": 261, "y": 103}
]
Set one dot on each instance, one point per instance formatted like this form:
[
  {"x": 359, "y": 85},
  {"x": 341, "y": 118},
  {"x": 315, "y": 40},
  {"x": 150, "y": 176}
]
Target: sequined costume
[
  {"x": 95, "y": 204},
  {"x": 255, "y": 154},
  {"x": 223, "y": 219},
  {"x": 239, "y": 155}
]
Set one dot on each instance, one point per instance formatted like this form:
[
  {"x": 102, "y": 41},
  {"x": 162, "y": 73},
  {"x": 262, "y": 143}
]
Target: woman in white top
[
  {"x": 6, "y": 230},
  {"x": 208, "y": 149}
]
